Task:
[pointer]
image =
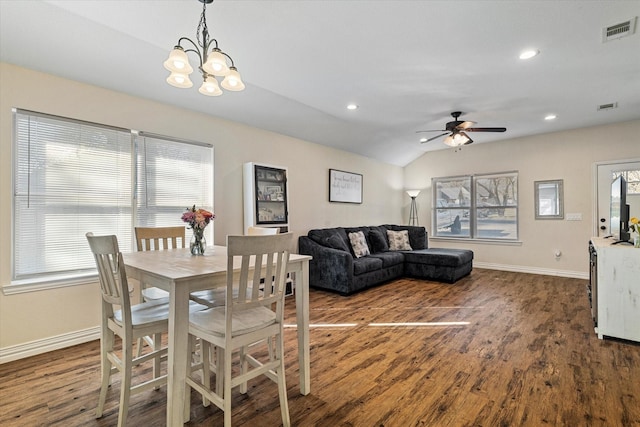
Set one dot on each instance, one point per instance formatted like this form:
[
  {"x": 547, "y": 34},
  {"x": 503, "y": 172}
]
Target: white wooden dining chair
[
  {"x": 215, "y": 297},
  {"x": 249, "y": 316},
  {"x": 154, "y": 239},
  {"x": 129, "y": 322}
]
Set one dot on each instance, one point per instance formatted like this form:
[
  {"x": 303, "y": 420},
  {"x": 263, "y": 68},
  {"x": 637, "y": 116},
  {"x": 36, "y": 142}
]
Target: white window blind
[
  {"x": 172, "y": 176},
  {"x": 72, "y": 177}
]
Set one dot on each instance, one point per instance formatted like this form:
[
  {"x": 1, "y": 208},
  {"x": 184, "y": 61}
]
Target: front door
[{"x": 605, "y": 173}]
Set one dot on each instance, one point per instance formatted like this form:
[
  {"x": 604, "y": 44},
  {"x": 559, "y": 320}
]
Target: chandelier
[{"x": 212, "y": 63}]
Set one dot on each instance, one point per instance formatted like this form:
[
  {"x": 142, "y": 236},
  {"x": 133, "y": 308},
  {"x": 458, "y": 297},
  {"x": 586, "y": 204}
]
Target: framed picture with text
[{"x": 345, "y": 187}]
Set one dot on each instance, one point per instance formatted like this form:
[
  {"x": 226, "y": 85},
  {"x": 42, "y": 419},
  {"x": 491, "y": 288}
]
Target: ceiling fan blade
[
  {"x": 432, "y": 130},
  {"x": 486, "y": 129},
  {"x": 435, "y": 137},
  {"x": 467, "y": 136},
  {"x": 465, "y": 125}
]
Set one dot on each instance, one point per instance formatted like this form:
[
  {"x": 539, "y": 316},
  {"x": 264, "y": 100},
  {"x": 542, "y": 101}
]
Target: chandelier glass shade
[
  {"x": 213, "y": 62},
  {"x": 457, "y": 139}
]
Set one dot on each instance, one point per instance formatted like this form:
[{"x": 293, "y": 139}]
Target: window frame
[{"x": 473, "y": 208}]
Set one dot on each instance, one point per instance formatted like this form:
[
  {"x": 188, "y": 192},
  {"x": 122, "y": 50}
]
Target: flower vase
[
  {"x": 198, "y": 242},
  {"x": 636, "y": 241}
]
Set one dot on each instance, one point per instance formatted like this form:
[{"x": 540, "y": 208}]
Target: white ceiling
[{"x": 407, "y": 64}]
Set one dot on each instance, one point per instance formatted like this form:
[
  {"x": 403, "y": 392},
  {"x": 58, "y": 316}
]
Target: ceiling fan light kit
[
  {"x": 213, "y": 64},
  {"x": 456, "y": 131}
]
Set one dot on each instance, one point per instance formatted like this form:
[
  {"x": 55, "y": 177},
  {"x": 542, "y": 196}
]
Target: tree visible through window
[{"x": 481, "y": 206}]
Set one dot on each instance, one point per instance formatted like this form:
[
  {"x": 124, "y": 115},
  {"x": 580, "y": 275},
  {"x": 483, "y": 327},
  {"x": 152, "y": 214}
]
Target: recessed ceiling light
[
  {"x": 352, "y": 107},
  {"x": 527, "y": 54},
  {"x": 550, "y": 117}
]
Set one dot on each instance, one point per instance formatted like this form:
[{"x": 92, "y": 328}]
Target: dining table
[{"x": 179, "y": 272}]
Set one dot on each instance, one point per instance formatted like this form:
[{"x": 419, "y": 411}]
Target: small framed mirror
[{"x": 549, "y": 199}]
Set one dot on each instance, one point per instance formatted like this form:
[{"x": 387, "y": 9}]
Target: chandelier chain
[{"x": 202, "y": 29}]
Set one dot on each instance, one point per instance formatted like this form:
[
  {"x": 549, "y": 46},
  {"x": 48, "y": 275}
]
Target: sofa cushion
[
  {"x": 321, "y": 236},
  {"x": 398, "y": 240},
  {"x": 336, "y": 242},
  {"x": 366, "y": 264},
  {"x": 439, "y": 256},
  {"x": 417, "y": 234},
  {"x": 359, "y": 244},
  {"x": 377, "y": 241},
  {"x": 389, "y": 258}
]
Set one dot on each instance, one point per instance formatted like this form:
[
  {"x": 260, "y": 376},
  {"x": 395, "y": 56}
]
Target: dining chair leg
[
  {"x": 219, "y": 375},
  {"x": 282, "y": 386},
  {"x": 227, "y": 389},
  {"x": 106, "y": 343},
  {"x": 157, "y": 345},
  {"x": 205, "y": 359},
  {"x": 125, "y": 386},
  {"x": 244, "y": 366}
]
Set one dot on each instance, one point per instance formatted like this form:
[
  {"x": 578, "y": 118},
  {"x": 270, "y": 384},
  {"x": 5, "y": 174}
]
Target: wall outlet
[{"x": 574, "y": 217}]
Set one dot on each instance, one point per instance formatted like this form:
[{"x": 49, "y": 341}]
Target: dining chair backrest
[
  {"x": 111, "y": 274},
  {"x": 157, "y": 238},
  {"x": 270, "y": 256},
  {"x": 262, "y": 231}
]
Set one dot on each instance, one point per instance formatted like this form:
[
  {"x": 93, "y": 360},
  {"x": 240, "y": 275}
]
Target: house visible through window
[
  {"x": 476, "y": 206},
  {"x": 72, "y": 177}
]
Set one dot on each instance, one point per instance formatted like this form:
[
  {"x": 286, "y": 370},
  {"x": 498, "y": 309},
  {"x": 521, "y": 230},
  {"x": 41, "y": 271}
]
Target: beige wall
[
  {"x": 566, "y": 155},
  {"x": 41, "y": 315}
]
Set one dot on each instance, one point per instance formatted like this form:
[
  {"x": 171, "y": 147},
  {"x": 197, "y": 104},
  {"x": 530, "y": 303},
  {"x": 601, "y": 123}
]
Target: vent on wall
[
  {"x": 609, "y": 106},
  {"x": 620, "y": 30}
]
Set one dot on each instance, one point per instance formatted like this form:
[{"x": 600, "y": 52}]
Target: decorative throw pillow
[
  {"x": 336, "y": 242},
  {"x": 399, "y": 240},
  {"x": 359, "y": 244},
  {"x": 378, "y": 242}
]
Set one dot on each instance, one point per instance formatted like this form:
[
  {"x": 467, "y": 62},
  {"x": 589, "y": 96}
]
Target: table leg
[
  {"x": 178, "y": 360},
  {"x": 302, "y": 318}
]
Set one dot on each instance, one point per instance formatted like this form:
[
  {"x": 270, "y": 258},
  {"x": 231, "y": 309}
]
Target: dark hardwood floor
[{"x": 494, "y": 349}]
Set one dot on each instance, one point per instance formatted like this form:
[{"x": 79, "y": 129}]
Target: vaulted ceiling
[{"x": 406, "y": 64}]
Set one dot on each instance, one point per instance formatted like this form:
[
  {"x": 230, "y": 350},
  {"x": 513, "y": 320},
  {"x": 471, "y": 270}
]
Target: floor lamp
[{"x": 413, "y": 212}]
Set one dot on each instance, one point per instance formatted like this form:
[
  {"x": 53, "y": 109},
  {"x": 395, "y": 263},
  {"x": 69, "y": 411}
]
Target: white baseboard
[
  {"x": 32, "y": 348},
  {"x": 532, "y": 270}
]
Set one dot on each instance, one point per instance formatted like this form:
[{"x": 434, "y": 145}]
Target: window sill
[
  {"x": 478, "y": 241},
  {"x": 42, "y": 284}
]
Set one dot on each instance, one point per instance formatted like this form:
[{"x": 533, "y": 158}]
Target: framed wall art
[{"x": 345, "y": 187}]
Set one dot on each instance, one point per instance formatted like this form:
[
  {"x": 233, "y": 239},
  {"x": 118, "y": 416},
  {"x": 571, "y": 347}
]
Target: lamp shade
[
  {"x": 210, "y": 87},
  {"x": 216, "y": 64},
  {"x": 232, "y": 81},
  {"x": 457, "y": 140},
  {"x": 413, "y": 193},
  {"x": 179, "y": 80},
  {"x": 178, "y": 62}
]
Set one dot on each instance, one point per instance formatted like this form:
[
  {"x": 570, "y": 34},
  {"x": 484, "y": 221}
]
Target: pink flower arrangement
[{"x": 197, "y": 218}]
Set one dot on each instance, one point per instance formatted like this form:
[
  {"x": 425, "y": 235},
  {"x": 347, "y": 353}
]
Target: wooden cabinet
[
  {"x": 265, "y": 196},
  {"x": 615, "y": 289}
]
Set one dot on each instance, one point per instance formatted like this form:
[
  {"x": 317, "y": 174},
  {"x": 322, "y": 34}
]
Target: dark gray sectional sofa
[{"x": 334, "y": 266}]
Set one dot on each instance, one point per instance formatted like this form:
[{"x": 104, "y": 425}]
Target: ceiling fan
[{"x": 457, "y": 130}]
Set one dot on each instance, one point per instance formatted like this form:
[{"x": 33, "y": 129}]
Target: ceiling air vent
[
  {"x": 610, "y": 106},
  {"x": 620, "y": 30}
]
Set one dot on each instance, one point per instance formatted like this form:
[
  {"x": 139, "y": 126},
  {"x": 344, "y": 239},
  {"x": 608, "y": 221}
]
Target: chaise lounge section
[{"x": 350, "y": 259}]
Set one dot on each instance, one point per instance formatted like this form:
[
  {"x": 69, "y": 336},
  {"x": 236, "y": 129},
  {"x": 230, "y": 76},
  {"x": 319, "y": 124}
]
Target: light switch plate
[{"x": 574, "y": 217}]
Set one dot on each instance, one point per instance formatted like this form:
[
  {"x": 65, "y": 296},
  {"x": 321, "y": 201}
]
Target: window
[
  {"x": 476, "y": 206},
  {"x": 71, "y": 177},
  {"x": 633, "y": 180}
]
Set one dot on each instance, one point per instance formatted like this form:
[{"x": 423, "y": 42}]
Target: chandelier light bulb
[
  {"x": 232, "y": 81},
  {"x": 178, "y": 62},
  {"x": 210, "y": 87},
  {"x": 216, "y": 64},
  {"x": 179, "y": 80}
]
